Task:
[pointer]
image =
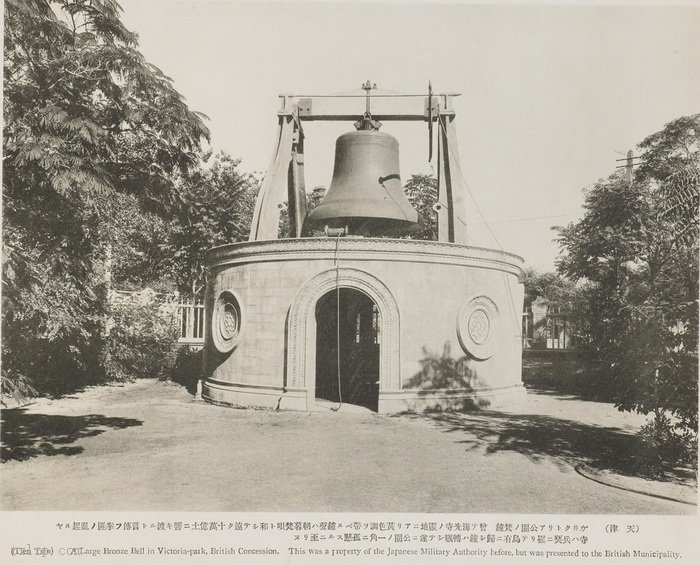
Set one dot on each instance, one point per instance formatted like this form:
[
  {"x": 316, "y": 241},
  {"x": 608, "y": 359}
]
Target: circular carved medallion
[
  {"x": 226, "y": 322},
  {"x": 477, "y": 327}
]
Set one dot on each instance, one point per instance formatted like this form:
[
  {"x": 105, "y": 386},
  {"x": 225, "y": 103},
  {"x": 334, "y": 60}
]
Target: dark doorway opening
[{"x": 359, "y": 339}]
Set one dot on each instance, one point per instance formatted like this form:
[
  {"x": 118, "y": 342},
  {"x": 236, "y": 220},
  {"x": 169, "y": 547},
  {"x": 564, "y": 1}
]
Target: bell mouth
[
  {"x": 382, "y": 219},
  {"x": 367, "y": 227}
]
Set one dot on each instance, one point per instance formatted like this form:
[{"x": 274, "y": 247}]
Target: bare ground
[{"x": 148, "y": 445}]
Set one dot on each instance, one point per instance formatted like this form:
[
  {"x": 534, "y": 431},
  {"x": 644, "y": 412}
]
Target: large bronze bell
[{"x": 366, "y": 193}]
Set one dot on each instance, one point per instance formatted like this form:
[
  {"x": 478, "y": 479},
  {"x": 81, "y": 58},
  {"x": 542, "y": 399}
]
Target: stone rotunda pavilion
[{"x": 347, "y": 309}]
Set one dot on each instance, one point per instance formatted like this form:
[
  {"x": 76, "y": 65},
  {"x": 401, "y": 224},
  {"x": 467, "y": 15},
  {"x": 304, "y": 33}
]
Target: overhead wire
[
  {"x": 529, "y": 219},
  {"x": 517, "y": 317}
]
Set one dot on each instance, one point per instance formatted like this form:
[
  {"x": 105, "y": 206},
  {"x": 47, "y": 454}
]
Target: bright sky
[{"x": 551, "y": 95}]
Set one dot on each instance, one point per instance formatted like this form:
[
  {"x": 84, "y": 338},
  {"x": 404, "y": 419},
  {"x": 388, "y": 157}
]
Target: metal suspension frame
[{"x": 284, "y": 180}]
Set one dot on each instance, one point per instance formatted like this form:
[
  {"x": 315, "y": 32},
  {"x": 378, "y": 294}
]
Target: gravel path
[{"x": 148, "y": 446}]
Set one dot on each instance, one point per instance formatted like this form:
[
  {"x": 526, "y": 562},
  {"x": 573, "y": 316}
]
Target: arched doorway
[
  {"x": 300, "y": 374},
  {"x": 348, "y": 339}
]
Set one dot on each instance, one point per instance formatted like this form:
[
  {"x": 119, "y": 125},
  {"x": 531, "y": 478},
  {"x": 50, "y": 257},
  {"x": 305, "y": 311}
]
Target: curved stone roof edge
[{"x": 313, "y": 246}]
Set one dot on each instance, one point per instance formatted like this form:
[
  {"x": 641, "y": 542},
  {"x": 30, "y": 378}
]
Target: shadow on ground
[
  {"x": 580, "y": 374},
  {"x": 25, "y": 435},
  {"x": 567, "y": 443}
]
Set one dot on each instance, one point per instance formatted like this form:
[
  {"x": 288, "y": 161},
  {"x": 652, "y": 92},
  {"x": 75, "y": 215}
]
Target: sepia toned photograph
[{"x": 339, "y": 257}]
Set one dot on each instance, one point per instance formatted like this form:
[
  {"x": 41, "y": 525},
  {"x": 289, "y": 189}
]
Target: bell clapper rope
[{"x": 337, "y": 233}]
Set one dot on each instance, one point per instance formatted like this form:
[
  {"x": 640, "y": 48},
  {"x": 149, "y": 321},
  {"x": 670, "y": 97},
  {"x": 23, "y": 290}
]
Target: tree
[
  {"x": 670, "y": 150},
  {"x": 552, "y": 288},
  {"x": 138, "y": 241},
  {"x": 216, "y": 208},
  {"x": 671, "y": 161},
  {"x": 561, "y": 296},
  {"x": 87, "y": 119},
  {"x": 639, "y": 255},
  {"x": 422, "y": 191}
]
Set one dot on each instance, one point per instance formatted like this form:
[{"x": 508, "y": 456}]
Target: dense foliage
[
  {"x": 422, "y": 193},
  {"x": 562, "y": 297},
  {"x": 637, "y": 248},
  {"x": 216, "y": 208},
  {"x": 94, "y": 136},
  {"x": 141, "y": 342}
]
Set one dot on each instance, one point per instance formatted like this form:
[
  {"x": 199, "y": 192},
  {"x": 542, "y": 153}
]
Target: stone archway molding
[{"x": 301, "y": 352}]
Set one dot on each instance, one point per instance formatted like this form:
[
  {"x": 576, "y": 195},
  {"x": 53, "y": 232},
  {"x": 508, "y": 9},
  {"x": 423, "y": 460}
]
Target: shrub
[
  {"x": 665, "y": 445},
  {"x": 18, "y": 389},
  {"x": 187, "y": 369},
  {"x": 141, "y": 341}
]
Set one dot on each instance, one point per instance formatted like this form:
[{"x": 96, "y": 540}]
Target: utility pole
[{"x": 629, "y": 165}]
